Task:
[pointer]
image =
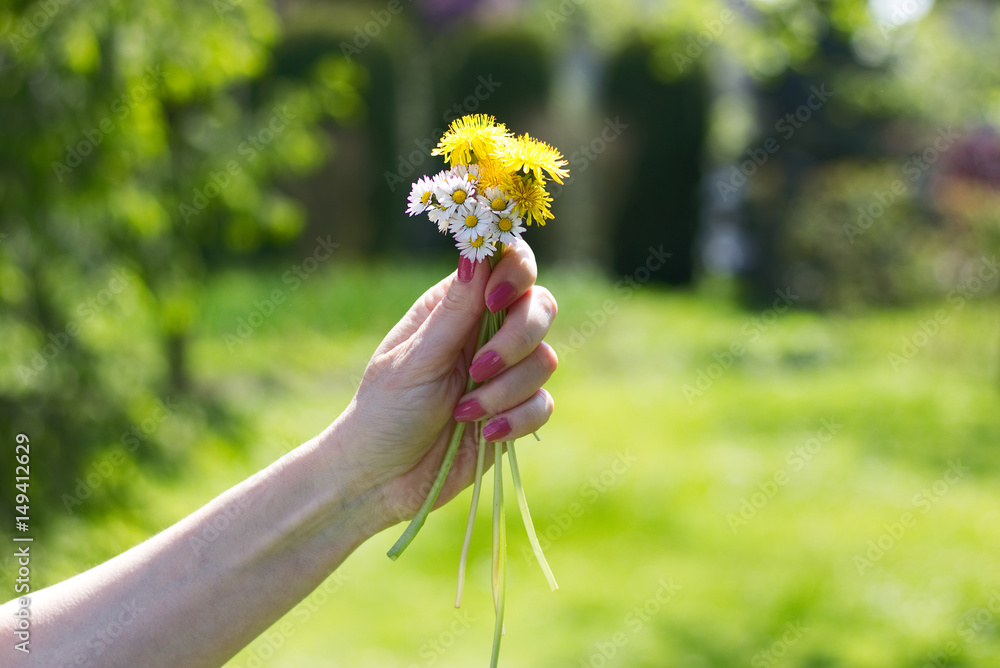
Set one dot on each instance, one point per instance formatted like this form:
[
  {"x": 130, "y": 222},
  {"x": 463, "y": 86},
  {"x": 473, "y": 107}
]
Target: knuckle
[
  {"x": 492, "y": 405},
  {"x": 548, "y": 357},
  {"x": 546, "y": 301},
  {"x": 526, "y": 256},
  {"x": 527, "y": 339},
  {"x": 428, "y": 301},
  {"x": 527, "y": 266},
  {"x": 452, "y": 302},
  {"x": 548, "y": 403}
]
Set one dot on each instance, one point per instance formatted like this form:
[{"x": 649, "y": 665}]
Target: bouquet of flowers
[{"x": 494, "y": 187}]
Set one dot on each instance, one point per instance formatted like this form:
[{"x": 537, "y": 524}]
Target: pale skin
[{"x": 195, "y": 595}]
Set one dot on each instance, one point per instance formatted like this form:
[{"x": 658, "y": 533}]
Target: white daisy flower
[
  {"x": 439, "y": 182},
  {"x": 469, "y": 172},
  {"x": 471, "y": 220},
  {"x": 477, "y": 248},
  {"x": 441, "y": 217},
  {"x": 496, "y": 200},
  {"x": 441, "y": 177},
  {"x": 421, "y": 196},
  {"x": 453, "y": 191},
  {"x": 506, "y": 228}
]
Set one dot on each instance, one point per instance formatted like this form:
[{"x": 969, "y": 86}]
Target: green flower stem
[
  {"x": 526, "y": 516},
  {"x": 489, "y": 323},
  {"x": 476, "y": 486},
  {"x": 499, "y": 551},
  {"x": 497, "y": 512},
  {"x": 449, "y": 456},
  {"x": 418, "y": 520}
]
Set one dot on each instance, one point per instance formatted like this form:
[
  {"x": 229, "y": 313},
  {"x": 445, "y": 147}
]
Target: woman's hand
[
  {"x": 212, "y": 582},
  {"x": 399, "y": 423}
]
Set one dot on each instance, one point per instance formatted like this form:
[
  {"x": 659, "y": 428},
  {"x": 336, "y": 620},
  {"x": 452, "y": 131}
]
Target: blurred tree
[
  {"x": 142, "y": 141},
  {"x": 670, "y": 116},
  {"x": 901, "y": 85},
  {"x": 842, "y": 247},
  {"x": 803, "y": 130}
]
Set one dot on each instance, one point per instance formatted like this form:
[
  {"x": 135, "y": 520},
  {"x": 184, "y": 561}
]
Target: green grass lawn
[{"x": 808, "y": 501}]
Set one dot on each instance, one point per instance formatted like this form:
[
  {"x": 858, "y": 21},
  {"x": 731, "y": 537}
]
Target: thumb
[{"x": 448, "y": 327}]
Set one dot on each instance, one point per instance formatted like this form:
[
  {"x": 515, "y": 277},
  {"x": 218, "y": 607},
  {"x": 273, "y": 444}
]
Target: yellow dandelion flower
[
  {"x": 471, "y": 138},
  {"x": 531, "y": 156},
  {"x": 492, "y": 173},
  {"x": 529, "y": 197}
]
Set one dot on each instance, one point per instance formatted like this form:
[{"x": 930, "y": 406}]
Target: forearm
[
  {"x": 197, "y": 593},
  {"x": 201, "y": 590}
]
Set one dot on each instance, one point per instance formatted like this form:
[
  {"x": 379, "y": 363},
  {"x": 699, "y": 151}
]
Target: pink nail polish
[
  {"x": 496, "y": 429},
  {"x": 465, "y": 269},
  {"x": 468, "y": 411},
  {"x": 501, "y": 297},
  {"x": 485, "y": 367}
]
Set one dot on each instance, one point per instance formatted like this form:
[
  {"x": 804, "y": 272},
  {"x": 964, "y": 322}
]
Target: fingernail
[
  {"x": 485, "y": 367},
  {"x": 501, "y": 297},
  {"x": 465, "y": 269},
  {"x": 468, "y": 411},
  {"x": 496, "y": 429}
]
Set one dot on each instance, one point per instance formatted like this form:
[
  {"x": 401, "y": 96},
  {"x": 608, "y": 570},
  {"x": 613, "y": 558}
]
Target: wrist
[{"x": 359, "y": 501}]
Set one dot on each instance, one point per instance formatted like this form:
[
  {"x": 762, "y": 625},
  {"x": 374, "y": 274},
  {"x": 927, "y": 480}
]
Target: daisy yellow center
[
  {"x": 471, "y": 221},
  {"x": 498, "y": 204},
  {"x": 426, "y": 197},
  {"x": 504, "y": 224},
  {"x": 459, "y": 196},
  {"x": 477, "y": 242}
]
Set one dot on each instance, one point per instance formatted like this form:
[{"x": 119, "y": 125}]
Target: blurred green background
[{"x": 776, "y": 448}]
